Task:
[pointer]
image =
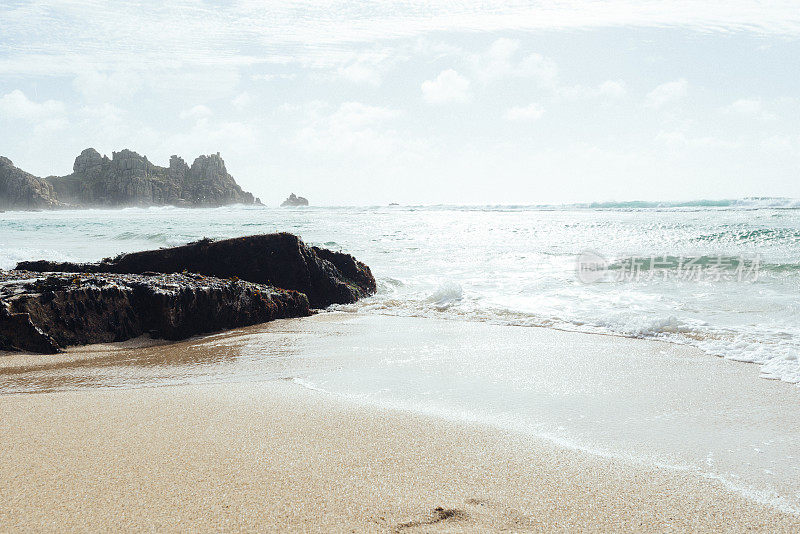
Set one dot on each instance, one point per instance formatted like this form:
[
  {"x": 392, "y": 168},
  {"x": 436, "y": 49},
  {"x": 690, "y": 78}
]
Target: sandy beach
[
  {"x": 272, "y": 455},
  {"x": 399, "y": 266}
]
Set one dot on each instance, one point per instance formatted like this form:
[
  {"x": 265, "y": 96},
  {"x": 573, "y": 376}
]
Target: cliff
[
  {"x": 22, "y": 190},
  {"x": 126, "y": 179}
]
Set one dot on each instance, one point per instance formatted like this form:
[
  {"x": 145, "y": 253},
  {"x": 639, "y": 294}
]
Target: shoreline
[
  {"x": 80, "y": 353},
  {"x": 737, "y": 321},
  {"x": 90, "y": 393},
  {"x": 275, "y": 454}
]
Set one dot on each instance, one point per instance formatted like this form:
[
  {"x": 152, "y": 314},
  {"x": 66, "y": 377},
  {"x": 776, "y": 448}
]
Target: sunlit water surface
[{"x": 512, "y": 265}]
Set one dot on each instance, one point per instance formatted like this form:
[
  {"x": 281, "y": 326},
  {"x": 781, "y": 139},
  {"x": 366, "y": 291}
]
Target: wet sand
[{"x": 271, "y": 455}]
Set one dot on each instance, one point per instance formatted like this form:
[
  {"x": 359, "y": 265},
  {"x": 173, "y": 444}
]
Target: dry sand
[{"x": 272, "y": 456}]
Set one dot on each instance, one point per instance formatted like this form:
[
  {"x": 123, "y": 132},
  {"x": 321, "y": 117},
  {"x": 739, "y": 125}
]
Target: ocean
[
  {"x": 467, "y": 287},
  {"x": 722, "y": 276}
]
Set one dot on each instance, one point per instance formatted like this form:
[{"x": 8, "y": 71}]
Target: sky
[{"x": 451, "y": 102}]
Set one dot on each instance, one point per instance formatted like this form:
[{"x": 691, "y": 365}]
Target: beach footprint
[{"x": 439, "y": 520}]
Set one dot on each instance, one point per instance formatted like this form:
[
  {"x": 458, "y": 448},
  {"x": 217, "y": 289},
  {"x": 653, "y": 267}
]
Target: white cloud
[
  {"x": 356, "y": 114},
  {"x": 268, "y": 77},
  {"x": 367, "y": 67},
  {"x": 613, "y": 88},
  {"x": 15, "y": 105},
  {"x": 152, "y": 33},
  {"x": 539, "y": 67},
  {"x": 106, "y": 125},
  {"x": 203, "y": 83},
  {"x": 530, "y": 112},
  {"x": 425, "y": 46},
  {"x": 678, "y": 138},
  {"x": 207, "y": 136},
  {"x": 107, "y": 112},
  {"x": 242, "y": 100},
  {"x": 51, "y": 125},
  {"x": 780, "y": 143},
  {"x": 448, "y": 87},
  {"x": 497, "y": 61},
  {"x": 352, "y": 128},
  {"x": 501, "y": 60},
  {"x": 751, "y": 108},
  {"x": 111, "y": 86},
  {"x": 360, "y": 72},
  {"x": 666, "y": 93},
  {"x": 745, "y": 106},
  {"x": 197, "y": 112}
]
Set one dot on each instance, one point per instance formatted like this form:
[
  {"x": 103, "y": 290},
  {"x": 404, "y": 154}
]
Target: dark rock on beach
[
  {"x": 125, "y": 179},
  {"x": 173, "y": 293},
  {"x": 294, "y": 200},
  {"x": 44, "y": 313},
  {"x": 281, "y": 260}
]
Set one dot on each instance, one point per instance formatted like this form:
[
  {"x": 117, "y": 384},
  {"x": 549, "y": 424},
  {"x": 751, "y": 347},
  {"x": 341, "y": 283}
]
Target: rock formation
[
  {"x": 46, "y": 313},
  {"x": 281, "y": 260},
  {"x": 173, "y": 293},
  {"x": 294, "y": 200},
  {"x": 126, "y": 179},
  {"x": 22, "y": 190}
]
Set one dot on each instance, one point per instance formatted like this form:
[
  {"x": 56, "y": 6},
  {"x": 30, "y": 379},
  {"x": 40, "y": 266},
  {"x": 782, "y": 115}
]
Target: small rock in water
[{"x": 294, "y": 200}]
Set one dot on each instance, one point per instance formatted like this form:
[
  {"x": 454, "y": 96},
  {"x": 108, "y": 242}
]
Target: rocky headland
[
  {"x": 125, "y": 179},
  {"x": 173, "y": 293},
  {"x": 22, "y": 190}
]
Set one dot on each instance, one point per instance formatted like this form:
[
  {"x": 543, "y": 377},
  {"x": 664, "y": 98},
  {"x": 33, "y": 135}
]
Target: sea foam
[{"x": 511, "y": 265}]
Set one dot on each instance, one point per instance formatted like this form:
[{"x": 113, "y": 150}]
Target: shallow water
[
  {"x": 514, "y": 265},
  {"x": 642, "y": 401}
]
